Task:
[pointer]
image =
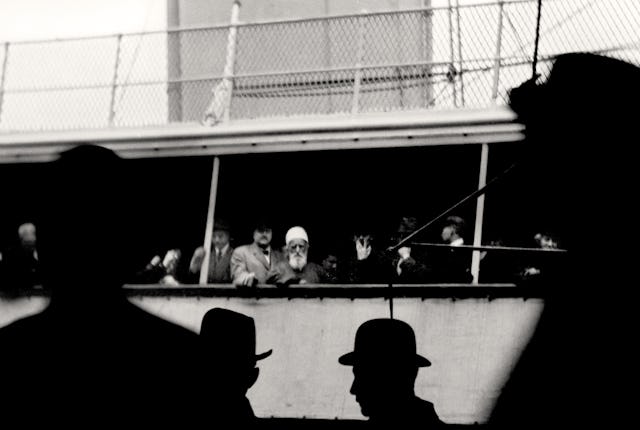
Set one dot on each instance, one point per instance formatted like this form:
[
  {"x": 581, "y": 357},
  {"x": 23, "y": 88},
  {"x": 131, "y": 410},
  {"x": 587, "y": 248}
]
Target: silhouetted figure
[
  {"x": 91, "y": 354},
  {"x": 385, "y": 366},
  {"x": 229, "y": 345},
  {"x": 580, "y": 123}
]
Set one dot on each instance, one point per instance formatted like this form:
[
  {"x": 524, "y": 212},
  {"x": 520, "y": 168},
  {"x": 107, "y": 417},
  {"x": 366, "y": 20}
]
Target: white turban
[{"x": 296, "y": 233}]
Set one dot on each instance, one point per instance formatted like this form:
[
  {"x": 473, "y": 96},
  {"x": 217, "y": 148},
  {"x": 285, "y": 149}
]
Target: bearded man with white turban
[{"x": 296, "y": 269}]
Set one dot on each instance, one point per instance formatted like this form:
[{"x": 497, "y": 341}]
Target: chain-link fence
[{"x": 431, "y": 58}]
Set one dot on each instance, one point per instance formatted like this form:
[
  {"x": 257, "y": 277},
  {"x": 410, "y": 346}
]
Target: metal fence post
[
  {"x": 460, "y": 65},
  {"x": 357, "y": 79},
  {"x": 452, "y": 68},
  {"x": 219, "y": 108},
  {"x": 114, "y": 83},
  {"x": 427, "y": 18},
  {"x": 496, "y": 65},
  {"x": 231, "y": 56},
  {"x": 3, "y": 74},
  {"x": 174, "y": 61}
]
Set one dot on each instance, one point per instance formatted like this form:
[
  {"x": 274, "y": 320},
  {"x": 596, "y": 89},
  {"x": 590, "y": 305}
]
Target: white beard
[{"x": 297, "y": 262}]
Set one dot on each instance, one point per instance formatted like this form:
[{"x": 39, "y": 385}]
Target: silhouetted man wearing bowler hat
[
  {"x": 229, "y": 343},
  {"x": 385, "y": 366}
]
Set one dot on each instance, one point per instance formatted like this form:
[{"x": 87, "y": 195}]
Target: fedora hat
[
  {"x": 232, "y": 335},
  {"x": 384, "y": 340}
]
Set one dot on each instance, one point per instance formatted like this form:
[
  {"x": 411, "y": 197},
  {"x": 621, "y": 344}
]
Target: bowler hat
[
  {"x": 384, "y": 340},
  {"x": 231, "y": 335}
]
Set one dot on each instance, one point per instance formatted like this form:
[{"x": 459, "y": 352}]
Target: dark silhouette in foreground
[
  {"x": 229, "y": 345},
  {"x": 91, "y": 357},
  {"x": 385, "y": 366},
  {"x": 581, "y": 125}
]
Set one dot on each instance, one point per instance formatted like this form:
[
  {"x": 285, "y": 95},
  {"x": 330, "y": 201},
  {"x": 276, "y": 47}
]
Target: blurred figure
[
  {"x": 385, "y": 367},
  {"x": 162, "y": 271},
  {"x": 365, "y": 263},
  {"x": 297, "y": 269},
  {"x": 219, "y": 259},
  {"x": 229, "y": 343},
  {"x": 91, "y": 353},
  {"x": 451, "y": 265},
  {"x": 255, "y": 263},
  {"x": 406, "y": 267},
  {"x": 21, "y": 265}
]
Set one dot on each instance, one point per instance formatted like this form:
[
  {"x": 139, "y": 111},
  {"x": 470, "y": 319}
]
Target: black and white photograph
[{"x": 323, "y": 214}]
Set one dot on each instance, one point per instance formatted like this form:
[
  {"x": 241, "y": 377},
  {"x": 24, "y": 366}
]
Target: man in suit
[
  {"x": 219, "y": 260},
  {"x": 255, "y": 263}
]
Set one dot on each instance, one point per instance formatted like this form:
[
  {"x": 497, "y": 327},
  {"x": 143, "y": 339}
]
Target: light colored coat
[{"x": 250, "y": 259}]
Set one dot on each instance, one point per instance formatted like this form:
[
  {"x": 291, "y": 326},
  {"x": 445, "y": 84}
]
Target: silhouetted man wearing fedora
[
  {"x": 385, "y": 366},
  {"x": 229, "y": 343}
]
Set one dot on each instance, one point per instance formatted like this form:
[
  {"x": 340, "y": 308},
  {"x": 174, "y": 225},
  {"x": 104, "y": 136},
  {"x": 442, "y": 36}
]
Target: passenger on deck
[
  {"x": 229, "y": 345},
  {"x": 366, "y": 263},
  {"x": 385, "y": 367},
  {"x": 21, "y": 265},
  {"x": 255, "y": 263},
  {"x": 451, "y": 265},
  {"x": 405, "y": 267},
  {"x": 219, "y": 260},
  {"x": 297, "y": 269}
]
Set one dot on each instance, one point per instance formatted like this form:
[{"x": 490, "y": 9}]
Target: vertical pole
[
  {"x": 3, "y": 74},
  {"x": 496, "y": 65},
  {"x": 174, "y": 61},
  {"x": 231, "y": 57},
  {"x": 460, "y": 66},
  {"x": 357, "y": 80},
  {"x": 208, "y": 231},
  {"x": 327, "y": 53},
  {"x": 477, "y": 233},
  {"x": 452, "y": 54},
  {"x": 114, "y": 83},
  {"x": 427, "y": 16}
]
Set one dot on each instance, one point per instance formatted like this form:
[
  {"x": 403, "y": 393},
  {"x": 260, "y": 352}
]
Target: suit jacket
[{"x": 250, "y": 258}]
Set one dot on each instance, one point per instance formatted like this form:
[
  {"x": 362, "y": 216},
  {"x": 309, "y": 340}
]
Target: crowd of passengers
[{"x": 262, "y": 262}]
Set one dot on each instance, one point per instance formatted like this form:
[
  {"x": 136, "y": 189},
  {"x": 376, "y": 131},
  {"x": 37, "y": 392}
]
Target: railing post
[
  {"x": 357, "y": 79},
  {"x": 174, "y": 62},
  {"x": 219, "y": 108},
  {"x": 3, "y": 74},
  {"x": 477, "y": 232},
  {"x": 452, "y": 77},
  {"x": 460, "y": 65},
  {"x": 496, "y": 65},
  {"x": 427, "y": 16},
  {"x": 114, "y": 83},
  {"x": 208, "y": 231}
]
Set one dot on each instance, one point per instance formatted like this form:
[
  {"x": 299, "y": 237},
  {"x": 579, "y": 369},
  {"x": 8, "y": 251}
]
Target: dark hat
[
  {"x": 221, "y": 224},
  {"x": 579, "y": 84},
  {"x": 384, "y": 340},
  {"x": 408, "y": 224},
  {"x": 232, "y": 334},
  {"x": 263, "y": 223}
]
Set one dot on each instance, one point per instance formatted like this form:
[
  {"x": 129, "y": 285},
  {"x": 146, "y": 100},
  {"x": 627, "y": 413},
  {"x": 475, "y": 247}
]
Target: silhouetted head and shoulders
[
  {"x": 104, "y": 353},
  {"x": 580, "y": 125},
  {"x": 228, "y": 341},
  {"x": 385, "y": 367}
]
